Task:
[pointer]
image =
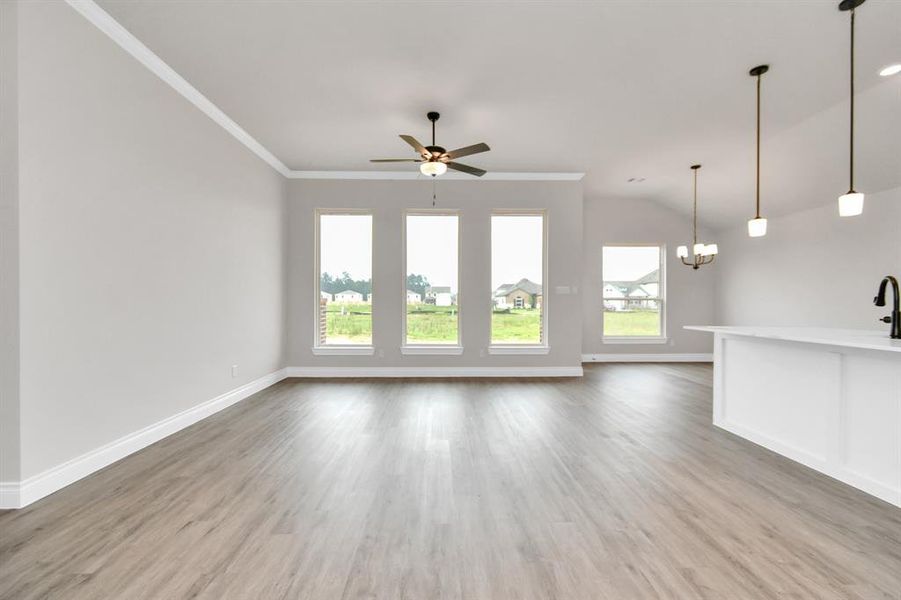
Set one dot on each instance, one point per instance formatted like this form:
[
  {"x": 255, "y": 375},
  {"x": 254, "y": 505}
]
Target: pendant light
[
  {"x": 757, "y": 225},
  {"x": 702, "y": 254},
  {"x": 851, "y": 204}
]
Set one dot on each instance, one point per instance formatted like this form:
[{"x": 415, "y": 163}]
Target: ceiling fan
[{"x": 435, "y": 159}]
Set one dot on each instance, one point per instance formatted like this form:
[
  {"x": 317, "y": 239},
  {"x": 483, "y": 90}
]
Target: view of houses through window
[
  {"x": 432, "y": 315},
  {"x": 517, "y": 275},
  {"x": 345, "y": 279},
  {"x": 633, "y": 294}
]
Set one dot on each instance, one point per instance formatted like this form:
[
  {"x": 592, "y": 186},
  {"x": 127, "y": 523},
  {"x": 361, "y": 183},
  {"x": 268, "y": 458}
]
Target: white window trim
[
  {"x": 411, "y": 348},
  {"x": 527, "y": 348},
  {"x": 448, "y": 350},
  {"x": 500, "y": 349},
  {"x": 661, "y": 298},
  {"x": 634, "y": 339},
  {"x": 337, "y": 349}
]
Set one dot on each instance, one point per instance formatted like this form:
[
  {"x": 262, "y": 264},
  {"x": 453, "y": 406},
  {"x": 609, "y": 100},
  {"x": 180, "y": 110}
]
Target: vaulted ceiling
[{"x": 615, "y": 89}]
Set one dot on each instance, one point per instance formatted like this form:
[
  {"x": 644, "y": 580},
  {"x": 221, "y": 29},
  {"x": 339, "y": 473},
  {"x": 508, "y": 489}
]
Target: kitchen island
[{"x": 827, "y": 398}]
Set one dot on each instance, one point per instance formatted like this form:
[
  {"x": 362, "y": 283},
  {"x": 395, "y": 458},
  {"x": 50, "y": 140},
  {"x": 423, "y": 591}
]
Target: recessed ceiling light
[
  {"x": 635, "y": 179},
  {"x": 890, "y": 70}
]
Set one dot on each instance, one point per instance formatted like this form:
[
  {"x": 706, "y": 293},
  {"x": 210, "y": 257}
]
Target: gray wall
[
  {"x": 388, "y": 201},
  {"x": 689, "y": 293},
  {"x": 151, "y": 246},
  {"x": 813, "y": 268},
  {"x": 9, "y": 244}
]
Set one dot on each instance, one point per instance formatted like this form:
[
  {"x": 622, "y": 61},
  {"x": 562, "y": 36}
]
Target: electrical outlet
[
  {"x": 234, "y": 370},
  {"x": 381, "y": 353}
]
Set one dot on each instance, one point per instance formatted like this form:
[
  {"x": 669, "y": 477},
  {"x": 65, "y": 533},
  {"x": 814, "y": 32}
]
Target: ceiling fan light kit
[
  {"x": 433, "y": 168},
  {"x": 434, "y": 159}
]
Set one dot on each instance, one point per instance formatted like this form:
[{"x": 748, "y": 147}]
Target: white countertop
[{"x": 851, "y": 338}]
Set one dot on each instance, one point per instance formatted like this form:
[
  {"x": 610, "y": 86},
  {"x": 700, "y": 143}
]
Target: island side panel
[{"x": 836, "y": 410}]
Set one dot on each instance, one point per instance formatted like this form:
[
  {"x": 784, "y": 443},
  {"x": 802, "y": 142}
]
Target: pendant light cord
[
  {"x": 695, "y": 211},
  {"x": 758, "y": 147},
  {"x": 851, "y": 148}
]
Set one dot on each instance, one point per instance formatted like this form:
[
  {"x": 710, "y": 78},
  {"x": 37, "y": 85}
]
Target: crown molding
[
  {"x": 121, "y": 36},
  {"x": 416, "y": 176}
]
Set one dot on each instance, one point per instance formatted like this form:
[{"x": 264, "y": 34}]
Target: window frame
[
  {"x": 339, "y": 349},
  {"x": 525, "y": 348},
  {"x": 431, "y": 348},
  {"x": 661, "y": 338}
]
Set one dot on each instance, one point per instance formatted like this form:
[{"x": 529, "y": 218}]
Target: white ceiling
[{"x": 614, "y": 89}]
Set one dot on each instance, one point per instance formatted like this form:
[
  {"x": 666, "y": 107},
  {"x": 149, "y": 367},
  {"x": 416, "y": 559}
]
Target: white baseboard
[
  {"x": 9, "y": 495},
  {"x": 418, "y": 372},
  {"x": 18, "y": 494},
  {"x": 889, "y": 493},
  {"x": 673, "y": 357}
]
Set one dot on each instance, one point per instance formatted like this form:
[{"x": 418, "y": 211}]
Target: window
[
  {"x": 633, "y": 292},
  {"x": 432, "y": 315},
  {"x": 344, "y": 279},
  {"x": 517, "y": 279}
]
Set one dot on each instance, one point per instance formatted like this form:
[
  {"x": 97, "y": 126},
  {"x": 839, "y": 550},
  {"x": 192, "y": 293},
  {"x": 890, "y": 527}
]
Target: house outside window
[
  {"x": 634, "y": 293},
  {"x": 431, "y": 287},
  {"x": 518, "y": 273},
  {"x": 343, "y": 307}
]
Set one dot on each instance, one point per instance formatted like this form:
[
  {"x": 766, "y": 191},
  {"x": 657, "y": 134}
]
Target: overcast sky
[
  {"x": 516, "y": 243},
  {"x": 432, "y": 248},
  {"x": 346, "y": 245},
  {"x": 516, "y": 249},
  {"x": 627, "y": 263}
]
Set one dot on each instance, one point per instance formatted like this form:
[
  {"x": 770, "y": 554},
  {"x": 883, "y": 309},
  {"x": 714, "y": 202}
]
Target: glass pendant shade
[
  {"x": 850, "y": 205},
  {"x": 433, "y": 168},
  {"x": 711, "y": 249},
  {"x": 682, "y": 252},
  {"x": 757, "y": 227},
  {"x": 698, "y": 249}
]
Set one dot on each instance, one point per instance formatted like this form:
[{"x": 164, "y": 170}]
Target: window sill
[
  {"x": 343, "y": 350},
  {"x": 524, "y": 349},
  {"x": 449, "y": 350},
  {"x": 634, "y": 340}
]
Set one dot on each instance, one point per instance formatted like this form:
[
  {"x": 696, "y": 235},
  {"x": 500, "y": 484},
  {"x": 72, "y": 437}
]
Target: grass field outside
[
  {"x": 348, "y": 323},
  {"x": 632, "y": 323},
  {"x": 429, "y": 324},
  {"x": 516, "y": 326}
]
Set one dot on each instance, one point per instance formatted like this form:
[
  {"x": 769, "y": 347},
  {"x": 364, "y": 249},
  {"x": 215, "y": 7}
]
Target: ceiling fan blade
[
  {"x": 474, "y": 149},
  {"x": 416, "y": 145},
  {"x": 466, "y": 169},
  {"x": 381, "y": 160}
]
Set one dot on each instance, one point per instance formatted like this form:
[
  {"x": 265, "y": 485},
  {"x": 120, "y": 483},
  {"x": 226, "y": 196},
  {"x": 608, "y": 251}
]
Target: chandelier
[{"x": 702, "y": 254}]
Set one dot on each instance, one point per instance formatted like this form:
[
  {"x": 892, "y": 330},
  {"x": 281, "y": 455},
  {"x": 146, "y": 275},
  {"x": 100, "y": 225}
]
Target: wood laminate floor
[{"x": 612, "y": 486}]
